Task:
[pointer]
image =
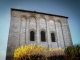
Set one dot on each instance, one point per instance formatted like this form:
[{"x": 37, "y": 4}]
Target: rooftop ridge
[{"x": 39, "y": 12}]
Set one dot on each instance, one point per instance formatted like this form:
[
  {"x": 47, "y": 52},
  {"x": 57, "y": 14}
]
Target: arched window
[
  {"x": 52, "y": 37},
  {"x": 43, "y": 36},
  {"x": 32, "y": 36}
]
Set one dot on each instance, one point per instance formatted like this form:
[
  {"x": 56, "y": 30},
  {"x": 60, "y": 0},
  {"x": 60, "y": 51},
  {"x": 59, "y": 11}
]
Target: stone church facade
[{"x": 31, "y": 27}]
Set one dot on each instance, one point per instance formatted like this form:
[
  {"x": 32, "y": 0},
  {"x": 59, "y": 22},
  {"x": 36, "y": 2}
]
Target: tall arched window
[
  {"x": 53, "y": 37},
  {"x": 32, "y": 36},
  {"x": 43, "y": 36}
]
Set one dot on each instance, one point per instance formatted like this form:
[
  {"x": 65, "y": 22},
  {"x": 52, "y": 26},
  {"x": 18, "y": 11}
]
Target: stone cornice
[{"x": 38, "y": 12}]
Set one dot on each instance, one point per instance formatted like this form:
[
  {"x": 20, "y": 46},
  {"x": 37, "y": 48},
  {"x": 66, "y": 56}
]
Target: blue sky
[{"x": 69, "y": 8}]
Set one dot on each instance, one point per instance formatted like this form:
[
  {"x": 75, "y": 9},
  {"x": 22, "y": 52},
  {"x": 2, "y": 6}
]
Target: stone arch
[
  {"x": 23, "y": 16},
  {"x": 32, "y": 23},
  {"x": 42, "y": 16},
  {"x": 52, "y": 32},
  {"x": 43, "y": 30},
  {"x": 33, "y": 30},
  {"x": 59, "y": 21},
  {"x": 42, "y": 19},
  {"x": 37, "y": 16},
  {"x": 42, "y": 23},
  {"x": 50, "y": 17},
  {"x": 51, "y": 22},
  {"x": 32, "y": 18},
  {"x": 23, "y": 21}
]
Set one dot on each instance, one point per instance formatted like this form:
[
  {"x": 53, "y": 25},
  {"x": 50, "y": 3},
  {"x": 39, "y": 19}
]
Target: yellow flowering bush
[
  {"x": 36, "y": 52},
  {"x": 29, "y": 52}
]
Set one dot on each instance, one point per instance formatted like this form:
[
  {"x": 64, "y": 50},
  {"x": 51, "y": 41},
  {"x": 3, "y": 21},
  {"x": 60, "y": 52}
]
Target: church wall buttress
[{"x": 66, "y": 33}]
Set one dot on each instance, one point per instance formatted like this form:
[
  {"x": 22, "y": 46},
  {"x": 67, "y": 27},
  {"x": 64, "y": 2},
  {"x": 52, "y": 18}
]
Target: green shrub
[{"x": 72, "y": 52}]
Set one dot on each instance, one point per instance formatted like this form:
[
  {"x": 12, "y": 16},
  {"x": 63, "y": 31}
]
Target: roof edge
[{"x": 38, "y": 12}]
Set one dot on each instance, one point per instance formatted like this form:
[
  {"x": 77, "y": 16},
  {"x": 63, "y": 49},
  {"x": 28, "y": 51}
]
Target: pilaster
[
  {"x": 48, "y": 32},
  {"x": 38, "y": 31}
]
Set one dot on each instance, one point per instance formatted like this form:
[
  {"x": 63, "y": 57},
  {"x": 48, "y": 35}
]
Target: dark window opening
[
  {"x": 43, "y": 36},
  {"x": 32, "y": 36},
  {"x": 52, "y": 37}
]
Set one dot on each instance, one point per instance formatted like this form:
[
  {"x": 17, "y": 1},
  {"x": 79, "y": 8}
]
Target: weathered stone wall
[
  {"x": 24, "y": 22},
  {"x": 66, "y": 33}
]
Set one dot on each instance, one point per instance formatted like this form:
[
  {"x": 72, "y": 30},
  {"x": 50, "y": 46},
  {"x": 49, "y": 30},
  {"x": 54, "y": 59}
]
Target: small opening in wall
[
  {"x": 32, "y": 36},
  {"x": 43, "y": 36},
  {"x": 53, "y": 37}
]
